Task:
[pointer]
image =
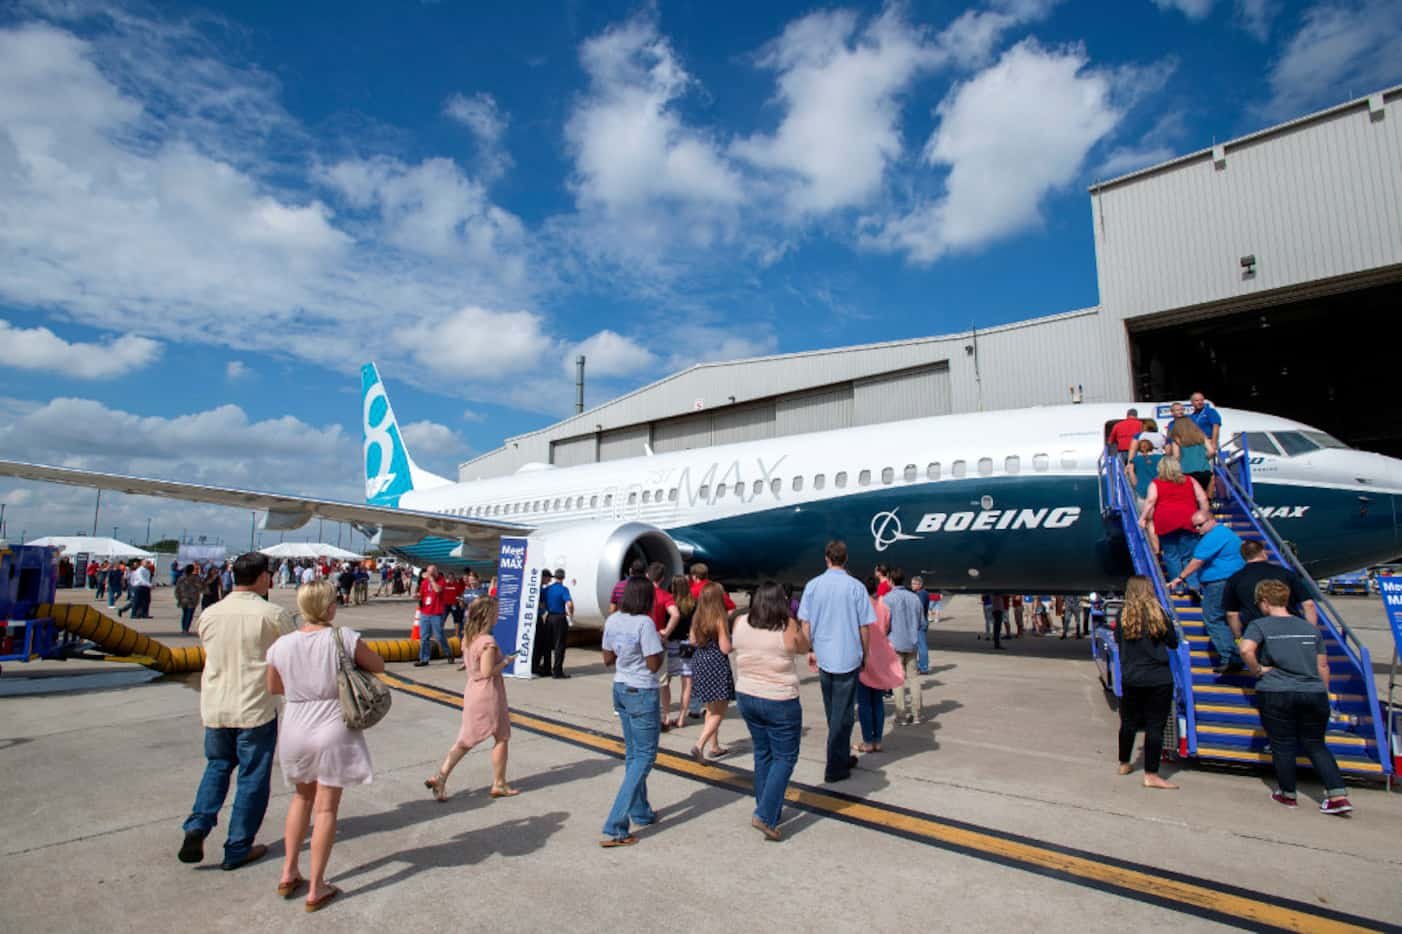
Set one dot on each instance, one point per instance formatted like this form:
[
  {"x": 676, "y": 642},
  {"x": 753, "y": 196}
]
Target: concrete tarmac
[{"x": 98, "y": 779}]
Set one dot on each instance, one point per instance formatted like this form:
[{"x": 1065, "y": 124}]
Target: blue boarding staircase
[{"x": 1216, "y": 717}]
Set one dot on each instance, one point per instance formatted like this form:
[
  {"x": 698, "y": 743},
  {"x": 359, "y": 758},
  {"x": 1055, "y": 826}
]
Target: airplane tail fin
[{"x": 389, "y": 470}]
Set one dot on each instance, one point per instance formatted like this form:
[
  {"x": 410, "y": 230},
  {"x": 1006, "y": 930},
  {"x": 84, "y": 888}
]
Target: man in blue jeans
[
  {"x": 240, "y": 716},
  {"x": 1215, "y": 559},
  {"x": 835, "y": 613},
  {"x": 433, "y": 607}
]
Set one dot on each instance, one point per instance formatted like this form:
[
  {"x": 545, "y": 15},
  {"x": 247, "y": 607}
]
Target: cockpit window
[
  {"x": 1294, "y": 443},
  {"x": 1324, "y": 439},
  {"x": 1258, "y": 442}
]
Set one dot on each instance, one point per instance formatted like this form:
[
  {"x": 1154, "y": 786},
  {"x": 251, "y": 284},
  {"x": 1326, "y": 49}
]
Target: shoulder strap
[{"x": 346, "y": 661}]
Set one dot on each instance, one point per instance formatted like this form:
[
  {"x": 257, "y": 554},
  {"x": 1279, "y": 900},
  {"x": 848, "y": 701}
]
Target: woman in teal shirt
[
  {"x": 1194, "y": 451},
  {"x": 1143, "y": 468}
]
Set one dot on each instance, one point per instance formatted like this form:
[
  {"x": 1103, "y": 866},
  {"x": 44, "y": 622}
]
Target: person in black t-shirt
[
  {"x": 1145, "y": 636},
  {"x": 1239, "y": 600}
]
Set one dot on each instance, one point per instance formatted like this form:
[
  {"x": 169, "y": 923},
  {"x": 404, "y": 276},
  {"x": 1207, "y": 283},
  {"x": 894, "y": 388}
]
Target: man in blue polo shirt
[
  {"x": 559, "y": 608},
  {"x": 1206, "y": 417},
  {"x": 1215, "y": 559},
  {"x": 835, "y": 613}
]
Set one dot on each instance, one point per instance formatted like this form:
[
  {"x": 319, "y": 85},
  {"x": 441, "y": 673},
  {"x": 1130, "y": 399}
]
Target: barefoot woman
[{"x": 1146, "y": 636}]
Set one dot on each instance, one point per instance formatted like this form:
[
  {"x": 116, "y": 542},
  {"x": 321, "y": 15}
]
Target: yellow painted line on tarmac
[{"x": 1202, "y": 897}]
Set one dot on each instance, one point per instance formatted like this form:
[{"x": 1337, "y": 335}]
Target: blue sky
[{"x": 210, "y": 215}]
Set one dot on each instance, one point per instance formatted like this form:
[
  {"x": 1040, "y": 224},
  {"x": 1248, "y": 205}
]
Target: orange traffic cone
[{"x": 414, "y": 633}]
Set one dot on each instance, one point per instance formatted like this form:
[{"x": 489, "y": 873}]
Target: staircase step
[
  {"x": 1255, "y": 737},
  {"x": 1351, "y": 764},
  {"x": 1200, "y": 642},
  {"x": 1243, "y": 695}
]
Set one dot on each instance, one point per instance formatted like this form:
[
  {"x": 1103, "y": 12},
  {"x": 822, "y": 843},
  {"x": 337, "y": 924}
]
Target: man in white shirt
[
  {"x": 240, "y": 716},
  {"x": 138, "y": 593}
]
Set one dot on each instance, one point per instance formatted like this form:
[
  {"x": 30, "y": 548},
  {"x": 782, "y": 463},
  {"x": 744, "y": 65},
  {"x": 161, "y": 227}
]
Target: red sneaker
[
  {"x": 1335, "y": 806},
  {"x": 1280, "y": 797}
]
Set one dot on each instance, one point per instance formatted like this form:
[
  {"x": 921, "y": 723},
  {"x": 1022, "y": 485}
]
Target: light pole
[
  {"x": 114, "y": 531},
  {"x": 252, "y": 530},
  {"x": 148, "y": 530},
  {"x": 97, "y": 505}
]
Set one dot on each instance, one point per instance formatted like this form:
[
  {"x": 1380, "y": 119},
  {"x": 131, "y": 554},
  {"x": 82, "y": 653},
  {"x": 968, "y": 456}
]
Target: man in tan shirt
[{"x": 240, "y": 716}]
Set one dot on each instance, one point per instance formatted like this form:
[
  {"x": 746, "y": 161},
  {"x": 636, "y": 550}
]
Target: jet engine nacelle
[{"x": 595, "y": 555}]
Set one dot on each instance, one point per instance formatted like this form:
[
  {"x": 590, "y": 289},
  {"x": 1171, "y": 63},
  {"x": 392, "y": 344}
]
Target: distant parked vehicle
[
  {"x": 1383, "y": 570},
  {"x": 1353, "y": 582}
]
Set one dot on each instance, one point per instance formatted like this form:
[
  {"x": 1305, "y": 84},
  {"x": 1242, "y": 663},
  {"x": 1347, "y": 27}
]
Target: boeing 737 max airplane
[{"x": 987, "y": 502}]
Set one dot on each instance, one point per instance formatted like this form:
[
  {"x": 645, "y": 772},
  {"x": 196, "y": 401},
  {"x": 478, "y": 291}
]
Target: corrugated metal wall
[
  {"x": 912, "y": 394},
  {"x": 624, "y": 442},
  {"x": 743, "y": 423},
  {"x": 1315, "y": 200},
  {"x": 571, "y": 452},
  {"x": 821, "y": 410},
  {"x": 682, "y": 434}
]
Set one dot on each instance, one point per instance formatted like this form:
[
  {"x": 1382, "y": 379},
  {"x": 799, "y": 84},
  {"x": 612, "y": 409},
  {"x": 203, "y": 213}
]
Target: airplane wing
[{"x": 283, "y": 512}]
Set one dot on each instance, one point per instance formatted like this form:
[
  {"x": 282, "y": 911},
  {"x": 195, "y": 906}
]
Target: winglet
[{"x": 389, "y": 470}]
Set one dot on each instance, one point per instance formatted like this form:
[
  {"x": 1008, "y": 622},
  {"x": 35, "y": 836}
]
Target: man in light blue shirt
[
  {"x": 906, "y": 615},
  {"x": 835, "y": 613},
  {"x": 1215, "y": 559}
]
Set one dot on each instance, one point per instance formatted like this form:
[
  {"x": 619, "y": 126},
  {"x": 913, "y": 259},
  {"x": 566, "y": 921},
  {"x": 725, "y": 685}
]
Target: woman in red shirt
[{"x": 1173, "y": 498}]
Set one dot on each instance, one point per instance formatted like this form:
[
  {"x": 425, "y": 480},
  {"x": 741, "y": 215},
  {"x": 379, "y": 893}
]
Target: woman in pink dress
[
  {"x": 881, "y": 672},
  {"x": 484, "y": 711},
  {"x": 320, "y": 755}
]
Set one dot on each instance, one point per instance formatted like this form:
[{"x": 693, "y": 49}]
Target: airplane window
[
  {"x": 911, "y": 472},
  {"x": 1040, "y": 462},
  {"x": 632, "y": 498},
  {"x": 1068, "y": 459},
  {"x": 1258, "y": 442},
  {"x": 932, "y": 472},
  {"x": 888, "y": 474},
  {"x": 1012, "y": 464},
  {"x": 819, "y": 481},
  {"x": 647, "y": 496},
  {"x": 985, "y": 466},
  {"x": 594, "y": 502},
  {"x": 557, "y": 505},
  {"x": 776, "y": 485},
  {"x": 1325, "y": 440},
  {"x": 704, "y": 492},
  {"x": 840, "y": 481},
  {"x": 720, "y": 490},
  {"x": 672, "y": 495},
  {"x": 657, "y": 496},
  {"x": 758, "y": 488},
  {"x": 864, "y": 478},
  {"x": 608, "y": 499},
  {"x": 797, "y": 484},
  {"x": 1294, "y": 443},
  {"x": 958, "y": 468}
]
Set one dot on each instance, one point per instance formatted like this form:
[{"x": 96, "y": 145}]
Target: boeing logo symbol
[{"x": 886, "y": 530}]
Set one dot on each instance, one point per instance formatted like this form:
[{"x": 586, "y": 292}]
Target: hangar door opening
[{"x": 1328, "y": 361}]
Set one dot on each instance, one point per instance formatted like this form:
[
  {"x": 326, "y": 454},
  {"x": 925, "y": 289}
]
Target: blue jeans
[
  {"x": 430, "y": 628},
  {"x": 1214, "y": 620},
  {"x": 775, "y": 728},
  {"x": 839, "y": 698},
  {"x": 871, "y": 712},
  {"x": 641, "y": 716},
  {"x": 922, "y": 648},
  {"x": 251, "y": 751},
  {"x": 1177, "y": 552},
  {"x": 187, "y": 617},
  {"x": 1296, "y": 721}
]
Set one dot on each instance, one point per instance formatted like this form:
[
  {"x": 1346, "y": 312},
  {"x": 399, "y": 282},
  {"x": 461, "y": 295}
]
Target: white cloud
[
  {"x": 218, "y": 446},
  {"x": 236, "y": 370},
  {"x": 481, "y": 115},
  {"x": 1193, "y": 9},
  {"x": 41, "y": 349},
  {"x": 429, "y": 439},
  {"x": 478, "y": 343},
  {"x": 635, "y": 160},
  {"x": 1008, "y": 136},
  {"x": 1256, "y": 16},
  {"x": 1342, "y": 49},
  {"x": 611, "y": 354}
]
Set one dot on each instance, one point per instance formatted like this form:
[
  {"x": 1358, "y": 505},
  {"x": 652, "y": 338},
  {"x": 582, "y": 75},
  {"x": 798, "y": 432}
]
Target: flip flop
[
  {"x": 720, "y": 753},
  {"x": 612, "y": 842},
  {"x": 291, "y": 889},
  {"x": 507, "y": 792},
  {"x": 322, "y": 902}
]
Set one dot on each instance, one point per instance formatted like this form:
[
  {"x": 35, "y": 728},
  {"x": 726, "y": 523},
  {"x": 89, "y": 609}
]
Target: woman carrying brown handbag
[{"x": 320, "y": 755}]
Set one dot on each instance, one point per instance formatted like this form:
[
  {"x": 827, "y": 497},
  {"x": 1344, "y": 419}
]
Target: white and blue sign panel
[
  {"x": 519, "y": 565},
  {"x": 1391, "y": 590}
]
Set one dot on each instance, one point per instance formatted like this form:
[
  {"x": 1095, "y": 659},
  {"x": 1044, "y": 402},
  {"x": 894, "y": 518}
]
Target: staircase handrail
[
  {"x": 1353, "y": 647},
  {"x": 1120, "y": 498}
]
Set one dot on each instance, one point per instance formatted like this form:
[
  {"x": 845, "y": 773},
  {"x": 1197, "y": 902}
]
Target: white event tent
[
  {"x": 96, "y": 546},
  {"x": 309, "y": 550}
]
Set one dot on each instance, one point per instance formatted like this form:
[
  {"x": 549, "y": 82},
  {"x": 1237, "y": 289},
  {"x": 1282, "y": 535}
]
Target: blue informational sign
[
  {"x": 518, "y": 602},
  {"x": 1391, "y": 590}
]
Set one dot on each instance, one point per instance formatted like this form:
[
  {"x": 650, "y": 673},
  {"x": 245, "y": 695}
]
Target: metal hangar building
[{"x": 1265, "y": 271}]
